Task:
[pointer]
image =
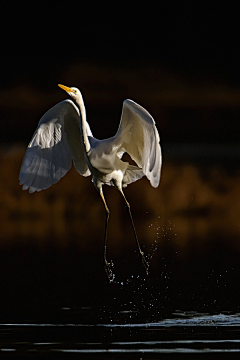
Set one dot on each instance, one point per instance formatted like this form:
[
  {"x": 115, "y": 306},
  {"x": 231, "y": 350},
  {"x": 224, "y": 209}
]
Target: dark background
[
  {"x": 183, "y": 59},
  {"x": 181, "y": 62}
]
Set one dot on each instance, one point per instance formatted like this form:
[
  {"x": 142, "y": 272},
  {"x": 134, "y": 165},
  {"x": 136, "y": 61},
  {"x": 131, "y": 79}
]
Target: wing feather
[
  {"x": 138, "y": 136},
  {"x": 132, "y": 173},
  {"x": 55, "y": 143}
]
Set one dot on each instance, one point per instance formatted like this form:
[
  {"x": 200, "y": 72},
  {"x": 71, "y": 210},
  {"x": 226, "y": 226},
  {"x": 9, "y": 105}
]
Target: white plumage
[{"x": 63, "y": 135}]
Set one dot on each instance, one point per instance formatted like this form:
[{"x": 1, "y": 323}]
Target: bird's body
[{"x": 63, "y": 135}]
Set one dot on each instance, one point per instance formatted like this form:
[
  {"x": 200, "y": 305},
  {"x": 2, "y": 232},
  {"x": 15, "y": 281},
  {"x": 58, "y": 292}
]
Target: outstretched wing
[
  {"x": 56, "y": 141},
  {"x": 139, "y": 137}
]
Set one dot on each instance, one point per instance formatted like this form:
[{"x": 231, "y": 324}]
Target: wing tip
[
  {"x": 154, "y": 177},
  {"x": 154, "y": 181},
  {"x": 128, "y": 102}
]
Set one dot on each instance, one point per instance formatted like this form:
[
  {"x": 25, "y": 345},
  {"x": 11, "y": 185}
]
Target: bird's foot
[
  {"x": 144, "y": 262},
  {"x": 108, "y": 268}
]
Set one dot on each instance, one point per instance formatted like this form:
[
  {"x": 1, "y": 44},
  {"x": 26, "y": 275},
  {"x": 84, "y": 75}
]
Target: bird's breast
[
  {"x": 108, "y": 168},
  {"x": 103, "y": 162}
]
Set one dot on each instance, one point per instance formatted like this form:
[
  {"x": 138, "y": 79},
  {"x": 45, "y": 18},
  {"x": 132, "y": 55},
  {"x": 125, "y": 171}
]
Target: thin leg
[
  {"x": 141, "y": 253},
  {"x": 107, "y": 267}
]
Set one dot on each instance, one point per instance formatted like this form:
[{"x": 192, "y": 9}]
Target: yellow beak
[{"x": 66, "y": 88}]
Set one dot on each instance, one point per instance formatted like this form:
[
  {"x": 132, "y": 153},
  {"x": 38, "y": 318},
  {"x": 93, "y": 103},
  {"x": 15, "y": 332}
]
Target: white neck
[{"x": 83, "y": 123}]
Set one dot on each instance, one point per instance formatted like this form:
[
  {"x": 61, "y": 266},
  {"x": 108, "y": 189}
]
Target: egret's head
[{"x": 72, "y": 91}]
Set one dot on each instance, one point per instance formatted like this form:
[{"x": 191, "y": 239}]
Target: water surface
[{"x": 183, "y": 333}]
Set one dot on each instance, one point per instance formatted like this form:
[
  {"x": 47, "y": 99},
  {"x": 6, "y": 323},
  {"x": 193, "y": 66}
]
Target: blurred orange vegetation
[{"x": 190, "y": 205}]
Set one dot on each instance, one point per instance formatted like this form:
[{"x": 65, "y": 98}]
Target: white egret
[{"x": 63, "y": 135}]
